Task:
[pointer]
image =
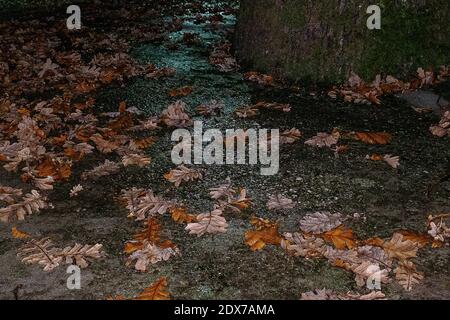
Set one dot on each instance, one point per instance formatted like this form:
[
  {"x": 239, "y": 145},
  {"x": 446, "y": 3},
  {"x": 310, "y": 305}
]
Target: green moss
[{"x": 300, "y": 40}]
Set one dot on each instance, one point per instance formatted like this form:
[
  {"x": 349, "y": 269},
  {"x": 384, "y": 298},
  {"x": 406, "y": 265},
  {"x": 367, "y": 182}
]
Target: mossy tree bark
[{"x": 323, "y": 40}]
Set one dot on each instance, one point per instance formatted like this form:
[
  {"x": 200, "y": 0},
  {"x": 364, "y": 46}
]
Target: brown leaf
[
  {"x": 53, "y": 168},
  {"x": 156, "y": 291},
  {"x": 266, "y": 233},
  {"x": 400, "y": 248},
  {"x": 122, "y": 107},
  {"x": 419, "y": 238},
  {"x": 407, "y": 275},
  {"x": 180, "y": 215},
  {"x": 340, "y": 237},
  {"x": 181, "y": 92},
  {"x": 182, "y": 173},
  {"x": 373, "y": 137},
  {"x": 18, "y": 234}
]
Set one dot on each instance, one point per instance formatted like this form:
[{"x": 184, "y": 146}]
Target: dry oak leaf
[
  {"x": 104, "y": 146},
  {"x": 80, "y": 254},
  {"x": 105, "y": 169},
  {"x": 211, "y": 108},
  {"x": 144, "y": 143},
  {"x": 320, "y": 222},
  {"x": 266, "y": 233},
  {"x": 44, "y": 183},
  {"x": 148, "y": 205},
  {"x": 157, "y": 291},
  {"x": 31, "y": 203},
  {"x": 368, "y": 269},
  {"x": 262, "y": 79},
  {"x": 279, "y": 202},
  {"x": 393, "y": 161},
  {"x": 407, "y": 275},
  {"x": 57, "y": 169},
  {"x": 135, "y": 159},
  {"x": 303, "y": 246},
  {"x": 180, "y": 215},
  {"x": 75, "y": 190},
  {"x": 323, "y": 139},
  {"x": 41, "y": 252},
  {"x": 400, "y": 248},
  {"x": 152, "y": 253},
  {"x": 174, "y": 116},
  {"x": 224, "y": 191},
  {"x": 18, "y": 234},
  {"x": 238, "y": 204},
  {"x": 290, "y": 136},
  {"x": 246, "y": 111},
  {"x": 182, "y": 173},
  {"x": 123, "y": 122},
  {"x": 438, "y": 230},
  {"x": 9, "y": 195},
  {"x": 420, "y": 239},
  {"x": 212, "y": 222},
  {"x": 340, "y": 237},
  {"x": 181, "y": 92},
  {"x": 373, "y": 137},
  {"x": 149, "y": 233},
  {"x": 260, "y": 223}
]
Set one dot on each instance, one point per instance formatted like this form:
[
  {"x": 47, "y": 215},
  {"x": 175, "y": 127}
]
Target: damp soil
[{"x": 222, "y": 266}]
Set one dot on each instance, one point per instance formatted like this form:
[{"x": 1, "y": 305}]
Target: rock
[{"x": 422, "y": 99}]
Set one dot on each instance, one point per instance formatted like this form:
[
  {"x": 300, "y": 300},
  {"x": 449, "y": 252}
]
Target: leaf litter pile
[{"x": 65, "y": 143}]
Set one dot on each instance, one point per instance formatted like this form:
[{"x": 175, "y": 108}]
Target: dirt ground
[{"x": 222, "y": 266}]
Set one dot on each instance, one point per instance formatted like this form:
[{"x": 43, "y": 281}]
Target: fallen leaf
[
  {"x": 180, "y": 215},
  {"x": 407, "y": 275},
  {"x": 181, "y": 92},
  {"x": 373, "y": 137},
  {"x": 18, "y": 234},
  {"x": 156, "y": 291},
  {"x": 400, "y": 248},
  {"x": 340, "y": 237}
]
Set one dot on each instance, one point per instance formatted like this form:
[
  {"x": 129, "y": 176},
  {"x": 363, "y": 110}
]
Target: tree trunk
[{"x": 323, "y": 40}]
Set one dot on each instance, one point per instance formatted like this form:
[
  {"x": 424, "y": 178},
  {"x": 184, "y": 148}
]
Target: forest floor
[{"x": 376, "y": 199}]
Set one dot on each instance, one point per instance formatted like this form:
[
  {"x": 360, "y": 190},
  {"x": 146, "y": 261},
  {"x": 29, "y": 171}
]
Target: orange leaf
[
  {"x": 421, "y": 239},
  {"x": 181, "y": 92},
  {"x": 376, "y": 242},
  {"x": 373, "y": 137},
  {"x": 85, "y": 87},
  {"x": 266, "y": 233},
  {"x": 124, "y": 121},
  {"x": 157, "y": 291},
  {"x": 376, "y": 157},
  {"x": 57, "y": 170},
  {"x": 18, "y": 234},
  {"x": 340, "y": 237},
  {"x": 132, "y": 246},
  {"x": 260, "y": 223},
  {"x": 59, "y": 141},
  {"x": 84, "y": 134},
  {"x": 144, "y": 143},
  {"x": 180, "y": 215},
  {"x": 69, "y": 152},
  {"x": 150, "y": 233},
  {"x": 122, "y": 107}
]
